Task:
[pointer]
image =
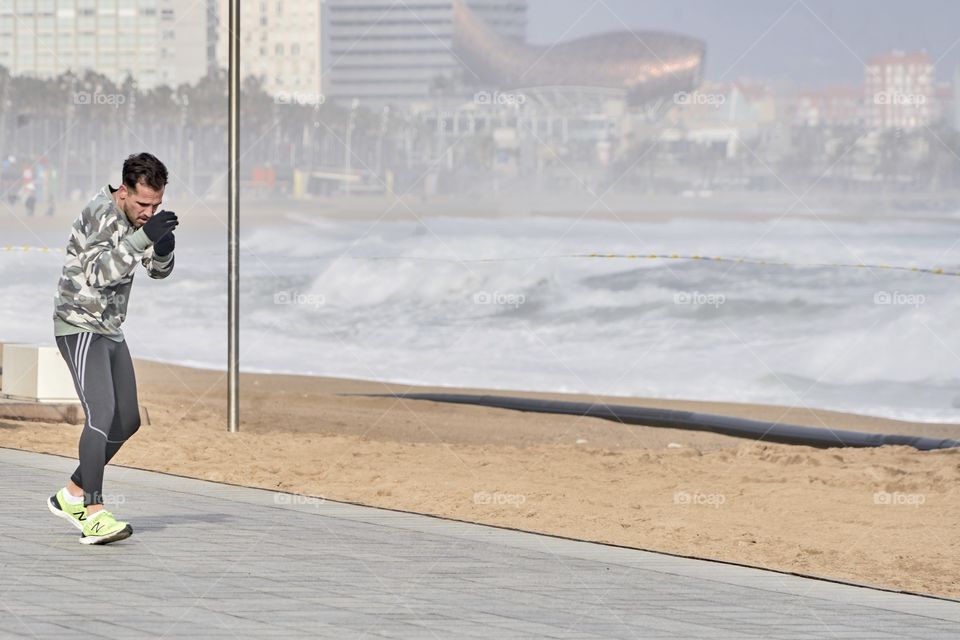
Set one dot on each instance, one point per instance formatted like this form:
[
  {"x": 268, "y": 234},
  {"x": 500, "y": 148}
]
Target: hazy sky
[{"x": 797, "y": 45}]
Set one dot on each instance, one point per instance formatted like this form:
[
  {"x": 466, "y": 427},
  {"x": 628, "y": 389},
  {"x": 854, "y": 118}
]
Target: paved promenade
[{"x": 215, "y": 561}]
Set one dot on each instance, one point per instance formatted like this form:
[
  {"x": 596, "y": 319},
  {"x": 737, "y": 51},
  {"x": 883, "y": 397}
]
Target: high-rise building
[
  {"x": 154, "y": 41},
  {"x": 382, "y": 51},
  {"x": 280, "y": 42},
  {"x": 899, "y": 90}
]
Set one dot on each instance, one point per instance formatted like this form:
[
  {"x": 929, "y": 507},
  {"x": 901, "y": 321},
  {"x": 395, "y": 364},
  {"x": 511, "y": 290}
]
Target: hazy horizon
[{"x": 771, "y": 40}]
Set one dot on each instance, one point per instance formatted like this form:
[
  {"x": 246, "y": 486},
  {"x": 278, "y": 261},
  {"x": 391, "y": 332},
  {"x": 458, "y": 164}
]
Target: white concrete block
[{"x": 36, "y": 372}]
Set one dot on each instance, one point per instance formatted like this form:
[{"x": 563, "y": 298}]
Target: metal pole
[{"x": 233, "y": 206}]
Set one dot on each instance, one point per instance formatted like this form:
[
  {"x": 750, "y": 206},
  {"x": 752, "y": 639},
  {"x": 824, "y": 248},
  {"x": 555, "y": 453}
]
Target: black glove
[
  {"x": 164, "y": 246},
  {"x": 159, "y": 225}
]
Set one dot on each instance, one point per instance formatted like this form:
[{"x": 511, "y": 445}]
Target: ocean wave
[{"x": 324, "y": 297}]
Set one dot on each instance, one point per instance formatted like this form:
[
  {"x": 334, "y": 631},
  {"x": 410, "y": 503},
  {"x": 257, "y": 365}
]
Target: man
[
  {"x": 117, "y": 229},
  {"x": 29, "y": 190}
]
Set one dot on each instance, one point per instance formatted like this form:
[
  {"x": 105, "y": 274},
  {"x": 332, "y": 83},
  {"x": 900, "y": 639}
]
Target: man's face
[{"x": 139, "y": 204}]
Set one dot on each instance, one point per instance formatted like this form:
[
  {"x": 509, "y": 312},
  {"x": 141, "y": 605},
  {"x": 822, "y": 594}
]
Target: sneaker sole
[
  {"x": 63, "y": 514},
  {"x": 123, "y": 534}
]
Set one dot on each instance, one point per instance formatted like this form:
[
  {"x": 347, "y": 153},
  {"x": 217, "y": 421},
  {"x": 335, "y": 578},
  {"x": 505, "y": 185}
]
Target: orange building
[{"x": 899, "y": 90}]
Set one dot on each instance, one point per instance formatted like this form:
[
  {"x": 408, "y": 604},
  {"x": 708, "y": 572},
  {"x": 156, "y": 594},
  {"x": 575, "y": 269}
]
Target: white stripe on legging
[
  {"x": 83, "y": 359},
  {"x": 76, "y": 357}
]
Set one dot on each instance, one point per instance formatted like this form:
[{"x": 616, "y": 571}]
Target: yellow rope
[{"x": 26, "y": 249}]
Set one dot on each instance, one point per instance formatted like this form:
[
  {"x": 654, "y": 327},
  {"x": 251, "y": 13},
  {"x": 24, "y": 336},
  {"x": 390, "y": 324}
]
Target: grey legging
[{"x": 103, "y": 375}]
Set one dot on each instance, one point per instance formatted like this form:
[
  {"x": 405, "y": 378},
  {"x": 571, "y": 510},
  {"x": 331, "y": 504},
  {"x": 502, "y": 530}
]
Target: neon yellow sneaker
[
  {"x": 75, "y": 514},
  {"x": 102, "y": 527}
]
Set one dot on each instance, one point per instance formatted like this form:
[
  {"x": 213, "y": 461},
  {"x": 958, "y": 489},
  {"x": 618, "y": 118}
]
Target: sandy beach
[{"x": 885, "y": 517}]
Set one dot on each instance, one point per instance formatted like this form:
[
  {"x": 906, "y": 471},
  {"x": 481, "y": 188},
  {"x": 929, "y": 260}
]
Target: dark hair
[{"x": 144, "y": 168}]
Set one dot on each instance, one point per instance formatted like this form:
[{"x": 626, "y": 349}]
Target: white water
[{"x": 796, "y": 336}]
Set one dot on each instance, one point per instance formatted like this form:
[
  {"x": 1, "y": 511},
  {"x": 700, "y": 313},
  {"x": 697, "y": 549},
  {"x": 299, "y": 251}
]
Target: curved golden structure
[{"x": 647, "y": 65}]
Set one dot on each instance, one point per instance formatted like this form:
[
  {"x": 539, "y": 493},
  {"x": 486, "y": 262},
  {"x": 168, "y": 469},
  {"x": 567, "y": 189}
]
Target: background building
[
  {"x": 155, "y": 41},
  {"x": 899, "y": 90},
  {"x": 381, "y": 51},
  {"x": 280, "y": 43},
  {"x": 831, "y": 107}
]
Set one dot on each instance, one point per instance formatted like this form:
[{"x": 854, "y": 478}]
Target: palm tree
[{"x": 4, "y": 105}]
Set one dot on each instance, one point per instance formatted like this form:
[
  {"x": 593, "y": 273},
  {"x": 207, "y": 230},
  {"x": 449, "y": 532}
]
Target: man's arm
[
  {"x": 158, "y": 267},
  {"x": 104, "y": 263},
  {"x": 159, "y": 262}
]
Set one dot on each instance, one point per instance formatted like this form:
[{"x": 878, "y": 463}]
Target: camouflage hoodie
[{"x": 102, "y": 255}]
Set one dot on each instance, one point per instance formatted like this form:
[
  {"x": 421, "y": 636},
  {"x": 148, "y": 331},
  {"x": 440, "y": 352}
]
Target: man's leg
[
  {"x": 126, "y": 414},
  {"x": 88, "y": 358},
  {"x": 75, "y": 487}
]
